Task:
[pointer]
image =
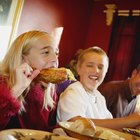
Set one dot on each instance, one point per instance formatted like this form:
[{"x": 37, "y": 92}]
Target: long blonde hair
[{"x": 13, "y": 59}]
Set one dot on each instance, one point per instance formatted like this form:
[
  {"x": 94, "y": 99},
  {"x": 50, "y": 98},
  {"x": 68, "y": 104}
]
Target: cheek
[
  {"x": 103, "y": 72},
  {"x": 38, "y": 64},
  {"x": 83, "y": 75},
  {"x": 135, "y": 80},
  {"x": 138, "y": 80},
  {"x": 102, "y": 75},
  {"x": 80, "y": 71}
]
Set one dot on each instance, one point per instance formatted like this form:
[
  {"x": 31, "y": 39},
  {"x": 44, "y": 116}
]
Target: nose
[
  {"x": 54, "y": 58},
  {"x": 95, "y": 69}
]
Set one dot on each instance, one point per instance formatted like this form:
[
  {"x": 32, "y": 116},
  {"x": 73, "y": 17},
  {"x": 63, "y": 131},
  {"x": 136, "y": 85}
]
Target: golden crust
[
  {"x": 84, "y": 126},
  {"x": 55, "y": 75}
]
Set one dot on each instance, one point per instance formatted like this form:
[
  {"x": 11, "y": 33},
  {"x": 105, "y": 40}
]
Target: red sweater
[{"x": 34, "y": 118}]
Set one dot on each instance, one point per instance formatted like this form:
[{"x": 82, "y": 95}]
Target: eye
[
  {"x": 45, "y": 52},
  {"x": 100, "y": 67},
  {"x": 89, "y": 65}
]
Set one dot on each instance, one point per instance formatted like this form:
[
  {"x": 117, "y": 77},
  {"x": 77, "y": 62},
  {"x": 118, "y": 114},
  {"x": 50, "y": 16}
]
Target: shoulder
[
  {"x": 73, "y": 90},
  {"x": 74, "y": 86},
  {"x": 112, "y": 85}
]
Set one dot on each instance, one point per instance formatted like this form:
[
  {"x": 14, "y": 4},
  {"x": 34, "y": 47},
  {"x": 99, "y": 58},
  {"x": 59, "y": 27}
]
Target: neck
[{"x": 89, "y": 90}]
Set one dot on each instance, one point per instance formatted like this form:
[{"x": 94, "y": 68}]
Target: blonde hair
[{"x": 13, "y": 59}]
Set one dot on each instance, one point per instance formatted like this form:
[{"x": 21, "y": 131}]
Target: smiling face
[
  {"x": 42, "y": 54},
  {"x": 92, "y": 70}
]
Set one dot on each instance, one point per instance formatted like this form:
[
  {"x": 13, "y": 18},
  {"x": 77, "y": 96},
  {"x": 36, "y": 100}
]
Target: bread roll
[
  {"x": 87, "y": 127},
  {"x": 84, "y": 126},
  {"x": 55, "y": 75}
]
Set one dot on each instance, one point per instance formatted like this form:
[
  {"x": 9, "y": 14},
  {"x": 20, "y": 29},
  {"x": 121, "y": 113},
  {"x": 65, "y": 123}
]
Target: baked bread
[
  {"x": 87, "y": 127},
  {"x": 84, "y": 126},
  {"x": 109, "y": 135},
  {"x": 55, "y": 75}
]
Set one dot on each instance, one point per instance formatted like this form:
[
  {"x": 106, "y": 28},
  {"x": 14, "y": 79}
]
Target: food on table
[
  {"x": 109, "y": 135},
  {"x": 84, "y": 126},
  {"x": 87, "y": 127}
]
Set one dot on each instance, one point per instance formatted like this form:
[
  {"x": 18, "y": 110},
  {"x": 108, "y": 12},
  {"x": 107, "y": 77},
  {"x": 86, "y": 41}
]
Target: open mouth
[{"x": 92, "y": 77}]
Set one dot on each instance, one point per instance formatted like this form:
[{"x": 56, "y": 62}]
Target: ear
[
  {"x": 24, "y": 59},
  {"x": 77, "y": 69},
  {"x": 134, "y": 72}
]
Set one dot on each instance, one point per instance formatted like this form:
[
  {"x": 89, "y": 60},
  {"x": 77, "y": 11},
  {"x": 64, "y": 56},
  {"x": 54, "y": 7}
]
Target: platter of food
[
  {"x": 29, "y": 134},
  {"x": 97, "y": 133}
]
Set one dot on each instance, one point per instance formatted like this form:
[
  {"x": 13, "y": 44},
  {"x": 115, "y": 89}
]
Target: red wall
[
  {"x": 73, "y": 15},
  {"x": 99, "y": 33},
  {"x": 39, "y": 14},
  {"x": 83, "y": 21},
  {"x": 76, "y": 16}
]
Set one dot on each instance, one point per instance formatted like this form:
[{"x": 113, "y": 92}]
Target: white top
[
  {"x": 137, "y": 106},
  {"x": 75, "y": 101}
]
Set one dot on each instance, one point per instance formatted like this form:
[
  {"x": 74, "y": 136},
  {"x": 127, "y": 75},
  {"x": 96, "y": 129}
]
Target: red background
[{"x": 84, "y": 22}]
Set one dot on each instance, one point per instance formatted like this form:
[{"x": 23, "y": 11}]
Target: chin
[{"x": 91, "y": 88}]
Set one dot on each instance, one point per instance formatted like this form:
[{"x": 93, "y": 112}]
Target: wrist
[{"x": 16, "y": 91}]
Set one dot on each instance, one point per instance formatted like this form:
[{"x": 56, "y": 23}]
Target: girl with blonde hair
[
  {"x": 24, "y": 101},
  {"x": 82, "y": 99}
]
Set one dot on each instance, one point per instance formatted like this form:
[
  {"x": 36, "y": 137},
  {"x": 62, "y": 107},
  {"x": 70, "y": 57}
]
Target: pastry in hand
[{"x": 56, "y": 75}]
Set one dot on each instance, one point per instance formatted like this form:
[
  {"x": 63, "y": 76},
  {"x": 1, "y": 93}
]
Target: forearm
[
  {"x": 108, "y": 123},
  {"x": 16, "y": 91},
  {"x": 131, "y": 121},
  {"x": 117, "y": 123}
]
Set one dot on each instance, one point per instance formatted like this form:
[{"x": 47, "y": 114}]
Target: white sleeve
[{"x": 71, "y": 104}]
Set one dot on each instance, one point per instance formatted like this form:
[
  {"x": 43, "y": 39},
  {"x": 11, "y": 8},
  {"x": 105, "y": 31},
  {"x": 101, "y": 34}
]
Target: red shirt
[{"x": 34, "y": 117}]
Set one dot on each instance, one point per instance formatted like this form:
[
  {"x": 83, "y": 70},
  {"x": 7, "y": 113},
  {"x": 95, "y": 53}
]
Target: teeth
[{"x": 93, "y": 77}]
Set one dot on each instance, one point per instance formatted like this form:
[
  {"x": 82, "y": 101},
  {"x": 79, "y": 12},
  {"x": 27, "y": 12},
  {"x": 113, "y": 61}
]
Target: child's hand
[{"x": 24, "y": 75}]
